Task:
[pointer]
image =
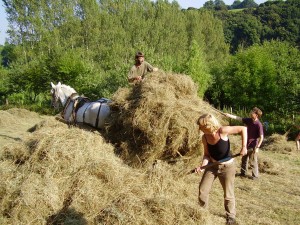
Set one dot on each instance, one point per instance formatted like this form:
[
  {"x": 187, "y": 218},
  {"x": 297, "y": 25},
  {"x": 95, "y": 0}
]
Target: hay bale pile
[
  {"x": 157, "y": 119},
  {"x": 62, "y": 175}
]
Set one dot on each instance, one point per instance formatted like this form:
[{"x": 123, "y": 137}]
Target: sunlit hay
[
  {"x": 15, "y": 153},
  {"x": 16, "y": 116},
  {"x": 54, "y": 168},
  {"x": 73, "y": 176},
  {"x": 22, "y": 113},
  {"x": 6, "y": 119},
  {"x": 9, "y": 187},
  {"x": 49, "y": 122},
  {"x": 235, "y": 143},
  {"x": 279, "y": 143},
  {"x": 157, "y": 119}
]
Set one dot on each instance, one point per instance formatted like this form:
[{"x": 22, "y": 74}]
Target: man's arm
[
  {"x": 150, "y": 68},
  {"x": 132, "y": 76},
  {"x": 233, "y": 117},
  {"x": 261, "y": 138}
]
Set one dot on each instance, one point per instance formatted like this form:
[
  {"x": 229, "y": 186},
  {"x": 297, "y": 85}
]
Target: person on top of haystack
[
  {"x": 217, "y": 147},
  {"x": 255, "y": 139},
  {"x": 139, "y": 69}
]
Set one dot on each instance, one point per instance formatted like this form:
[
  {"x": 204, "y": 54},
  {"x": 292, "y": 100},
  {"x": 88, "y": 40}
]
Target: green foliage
[
  {"x": 196, "y": 67},
  {"x": 248, "y": 4},
  {"x": 241, "y": 30},
  {"x": 215, "y": 5},
  {"x": 265, "y": 76},
  {"x": 90, "y": 45},
  {"x": 7, "y": 55},
  {"x": 4, "y": 80}
]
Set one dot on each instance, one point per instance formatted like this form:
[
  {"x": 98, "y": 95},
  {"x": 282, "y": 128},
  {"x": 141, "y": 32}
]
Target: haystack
[
  {"x": 157, "y": 118},
  {"x": 62, "y": 175}
]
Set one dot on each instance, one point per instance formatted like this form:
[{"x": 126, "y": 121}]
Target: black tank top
[{"x": 220, "y": 150}]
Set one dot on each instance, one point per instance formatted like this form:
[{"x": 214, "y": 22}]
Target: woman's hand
[
  {"x": 199, "y": 170},
  {"x": 243, "y": 151}
]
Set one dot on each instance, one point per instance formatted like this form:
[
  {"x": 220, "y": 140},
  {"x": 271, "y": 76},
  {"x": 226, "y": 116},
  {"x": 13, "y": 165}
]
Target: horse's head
[
  {"x": 60, "y": 93},
  {"x": 55, "y": 100}
]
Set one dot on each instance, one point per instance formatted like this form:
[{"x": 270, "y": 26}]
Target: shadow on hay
[
  {"x": 66, "y": 216},
  {"x": 6, "y": 136},
  {"x": 121, "y": 132}
]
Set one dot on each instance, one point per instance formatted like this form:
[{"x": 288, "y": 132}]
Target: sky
[{"x": 183, "y": 3}]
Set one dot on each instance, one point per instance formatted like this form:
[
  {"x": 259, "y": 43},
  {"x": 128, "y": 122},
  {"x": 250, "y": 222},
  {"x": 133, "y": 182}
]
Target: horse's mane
[{"x": 68, "y": 88}]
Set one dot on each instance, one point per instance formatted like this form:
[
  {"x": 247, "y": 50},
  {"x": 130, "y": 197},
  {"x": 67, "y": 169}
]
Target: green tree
[
  {"x": 7, "y": 55},
  {"x": 4, "y": 85},
  {"x": 196, "y": 67},
  {"x": 265, "y": 76},
  {"x": 236, "y": 4},
  {"x": 92, "y": 43},
  {"x": 208, "y": 32},
  {"x": 209, "y": 5},
  {"x": 248, "y": 4}
]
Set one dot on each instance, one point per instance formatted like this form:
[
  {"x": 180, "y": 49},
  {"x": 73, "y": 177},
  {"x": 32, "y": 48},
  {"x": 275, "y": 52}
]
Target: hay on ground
[
  {"x": 279, "y": 143},
  {"x": 62, "y": 175}
]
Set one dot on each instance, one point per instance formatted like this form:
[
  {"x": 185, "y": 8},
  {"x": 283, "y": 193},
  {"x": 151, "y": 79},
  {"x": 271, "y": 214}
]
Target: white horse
[{"x": 79, "y": 109}]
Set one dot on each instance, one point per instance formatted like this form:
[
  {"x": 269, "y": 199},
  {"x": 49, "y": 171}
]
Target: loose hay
[
  {"x": 157, "y": 119},
  {"x": 72, "y": 176},
  {"x": 8, "y": 117},
  {"x": 279, "y": 143}
]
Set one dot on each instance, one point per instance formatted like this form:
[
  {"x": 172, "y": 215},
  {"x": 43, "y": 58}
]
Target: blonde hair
[{"x": 208, "y": 121}]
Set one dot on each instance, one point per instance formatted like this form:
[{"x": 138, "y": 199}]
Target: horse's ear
[
  {"x": 59, "y": 84},
  {"x": 52, "y": 85}
]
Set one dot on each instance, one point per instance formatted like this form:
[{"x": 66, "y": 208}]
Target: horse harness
[{"x": 79, "y": 101}]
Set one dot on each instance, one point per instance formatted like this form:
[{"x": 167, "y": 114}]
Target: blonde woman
[{"x": 217, "y": 147}]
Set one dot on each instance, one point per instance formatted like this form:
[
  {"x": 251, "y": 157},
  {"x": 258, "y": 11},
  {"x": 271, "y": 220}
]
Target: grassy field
[{"x": 71, "y": 176}]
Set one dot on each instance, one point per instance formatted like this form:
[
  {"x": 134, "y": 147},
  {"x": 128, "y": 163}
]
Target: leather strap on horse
[
  {"x": 69, "y": 100},
  {"x": 102, "y": 100},
  {"x": 80, "y": 101},
  {"x": 85, "y": 111},
  {"x": 97, "y": 120}
]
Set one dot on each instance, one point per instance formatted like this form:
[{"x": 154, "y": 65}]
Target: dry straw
[
  {"x": 12, "y": 116},
  {"x": 62, "y": 175},
  {"x": 157, "y": 119},
  {"x": 279, "y": 143}
]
